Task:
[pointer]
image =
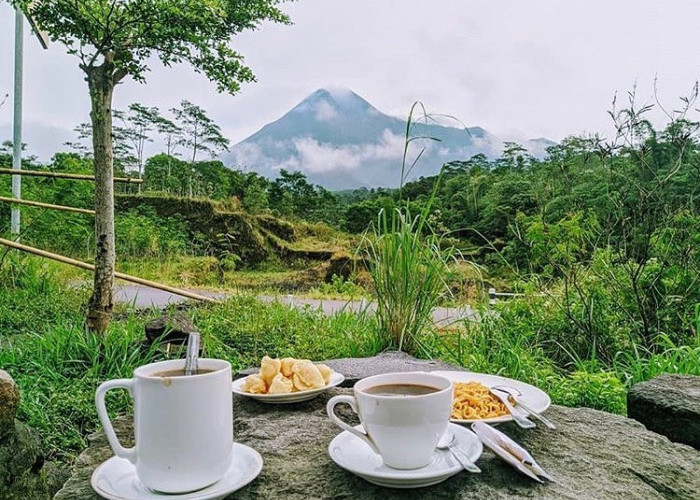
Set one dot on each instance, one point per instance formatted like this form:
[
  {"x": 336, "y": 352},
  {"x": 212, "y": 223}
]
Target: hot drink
[
  {"x": 183, "y": 425},
  {"x": 400, "y": 390},
  {"x": 178, "y": 373},
  {"x": 403, "y": 415}
]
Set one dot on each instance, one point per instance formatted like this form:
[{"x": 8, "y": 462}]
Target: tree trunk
[{"x": 101, "y": 305}]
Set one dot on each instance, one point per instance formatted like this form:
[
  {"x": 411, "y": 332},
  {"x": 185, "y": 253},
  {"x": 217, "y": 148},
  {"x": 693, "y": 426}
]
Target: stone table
[{"x": 593, "y": 455}]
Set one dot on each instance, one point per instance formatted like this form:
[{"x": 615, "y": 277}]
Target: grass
[
  {"x": 205, "y": 273},
  {"x": 409, "y": 273},
  {"x": 499, "y": 345},
  {"x": 58, "y": 365}
]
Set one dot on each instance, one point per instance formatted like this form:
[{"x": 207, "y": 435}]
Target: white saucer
[
  {"x": 116, "y": 479},
  {"x": 290, "y": 397},
  {"x": 533, "y": 396},
  {"x": 354, "y": 455}
]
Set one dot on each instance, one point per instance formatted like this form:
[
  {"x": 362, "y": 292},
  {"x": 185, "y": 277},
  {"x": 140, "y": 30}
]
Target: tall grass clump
[
  {"x": 409, "y": 271},
  {"x": 406, "y": 258}
]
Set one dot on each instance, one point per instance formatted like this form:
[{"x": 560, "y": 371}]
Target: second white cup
[{"x": 404, "y": 415}]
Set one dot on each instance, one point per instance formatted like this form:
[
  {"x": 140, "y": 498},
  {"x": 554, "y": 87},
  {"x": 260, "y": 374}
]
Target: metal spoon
[
  {"x": 523, "y": 422},
  {"x": 191, "y": 360},
  {"x": 515, "y": 394},
  {"x": 449, "y": 442}
]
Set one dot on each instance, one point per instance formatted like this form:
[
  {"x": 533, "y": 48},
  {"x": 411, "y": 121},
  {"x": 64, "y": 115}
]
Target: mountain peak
[
  {"x": 339, "y": 140},
  {"x": 328, "y": 103}
]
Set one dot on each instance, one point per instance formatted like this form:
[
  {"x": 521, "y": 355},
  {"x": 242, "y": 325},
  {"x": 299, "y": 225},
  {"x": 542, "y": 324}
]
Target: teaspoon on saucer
[{"x": 449, "y": 442}]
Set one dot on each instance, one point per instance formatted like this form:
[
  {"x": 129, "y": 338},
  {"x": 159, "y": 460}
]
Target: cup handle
[
  {"x": 349, "y": 400},
  {"x": 117, "y": 448}
]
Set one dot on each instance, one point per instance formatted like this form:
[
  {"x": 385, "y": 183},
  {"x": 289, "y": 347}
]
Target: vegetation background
[{"x": 600, "y": 237}]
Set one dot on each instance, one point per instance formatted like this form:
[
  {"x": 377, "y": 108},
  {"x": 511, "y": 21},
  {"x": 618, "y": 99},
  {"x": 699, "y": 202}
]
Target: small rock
[
  {"x": 174, "y": 327},
  {"x": 9, "y": 403},
  {"x": 670, "y": 405}
]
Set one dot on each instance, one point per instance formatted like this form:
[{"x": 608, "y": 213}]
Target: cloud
[
  {"x": 325, "y": 111},
  {"x": 315, "y": 157},
  {"x": 309, "y": 155}
]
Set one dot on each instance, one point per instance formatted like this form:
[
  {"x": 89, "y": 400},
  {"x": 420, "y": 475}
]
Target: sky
[{"x": 519, "y": 68}]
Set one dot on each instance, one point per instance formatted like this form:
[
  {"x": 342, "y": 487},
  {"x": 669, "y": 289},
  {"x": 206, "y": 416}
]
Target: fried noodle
[{"x": 474, "y": 401}]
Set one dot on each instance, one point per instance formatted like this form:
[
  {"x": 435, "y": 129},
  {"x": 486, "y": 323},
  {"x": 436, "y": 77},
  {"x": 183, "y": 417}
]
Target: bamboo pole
[
  {"x": 90, "y": 267},
  {"x": 61, "y": 175},
  {"x": 47, "y": 205}
]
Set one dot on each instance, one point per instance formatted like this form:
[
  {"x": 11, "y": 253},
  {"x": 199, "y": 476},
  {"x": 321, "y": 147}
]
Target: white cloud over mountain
[{"x": 339, "y": 140}]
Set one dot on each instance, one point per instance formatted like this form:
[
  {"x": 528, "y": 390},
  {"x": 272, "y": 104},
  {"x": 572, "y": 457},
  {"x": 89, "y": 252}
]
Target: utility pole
[
  {"x": 17, "y": 113},
  {"x": 17, "y": 121}
]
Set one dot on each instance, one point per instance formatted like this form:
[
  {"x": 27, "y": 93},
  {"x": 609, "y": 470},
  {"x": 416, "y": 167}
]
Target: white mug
[
  {"x": 404, "y": 430},
  {"x": 183, "y": 425}
]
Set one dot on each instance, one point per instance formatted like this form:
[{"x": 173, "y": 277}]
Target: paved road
[{"x": 143, "y": 298}]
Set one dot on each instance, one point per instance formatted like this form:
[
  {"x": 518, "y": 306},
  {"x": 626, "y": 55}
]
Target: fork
[
  {"x": 515, "y": 394},
  {"x": 523, "y": 422}
]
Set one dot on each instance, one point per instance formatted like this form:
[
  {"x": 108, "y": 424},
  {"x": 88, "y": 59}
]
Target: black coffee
[
  {"x": 400, "y": 390},
  {"x": 178, "y": 373}
]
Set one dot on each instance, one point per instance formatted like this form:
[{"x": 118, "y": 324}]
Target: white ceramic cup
[
  {"x": 183, "y": 426},
  {"x": 404, "y": 430}
]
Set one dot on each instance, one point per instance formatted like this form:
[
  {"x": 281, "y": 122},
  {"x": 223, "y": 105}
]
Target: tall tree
[
  {"x": 116, "y": 39},
  {"x": 199, "y": 131},
  {"x": 137, "y": 123},
  {"x": 172, "y": 134},
  {"x": 122, "y": 154}
]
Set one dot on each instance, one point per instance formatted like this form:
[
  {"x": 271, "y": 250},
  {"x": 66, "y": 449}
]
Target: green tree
[
  {"x": 199, "y": 132},
  {"x": 255, "y": 194},
  {"x": 137, "y": 123},
  {"x": 115, "y": 39}
]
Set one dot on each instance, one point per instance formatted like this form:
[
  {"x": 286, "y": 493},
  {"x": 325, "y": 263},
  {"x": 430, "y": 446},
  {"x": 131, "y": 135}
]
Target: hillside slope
[{"x": 253, "y": 238}]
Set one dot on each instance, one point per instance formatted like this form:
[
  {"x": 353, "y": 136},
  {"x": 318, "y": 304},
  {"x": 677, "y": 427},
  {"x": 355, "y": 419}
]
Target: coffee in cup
[
  {"x": 403, "y": 415},
  {"x": 183, "y": 424}
]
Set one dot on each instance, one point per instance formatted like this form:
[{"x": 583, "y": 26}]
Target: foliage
[
  {"x": 408, "y": 273},
  {"x": 198, "y": 131},
  {"x": 338, "y": 287},
  {"x": 130, "y": 34}
]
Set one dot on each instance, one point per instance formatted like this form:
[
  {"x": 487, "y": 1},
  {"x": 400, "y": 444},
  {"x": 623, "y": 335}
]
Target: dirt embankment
[{"x": 253, "y": 238}]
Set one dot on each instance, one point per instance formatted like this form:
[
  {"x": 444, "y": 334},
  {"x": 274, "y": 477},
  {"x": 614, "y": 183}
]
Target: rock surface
[
  {"x": 669, "y": 405},
  {"x": 9, "y": 402},
  {"x": 173, "y": 327},
  {"x": 21, "y": 458},
  {"x": 355, "y": 369},
  {"x": 593, "y": 455}
]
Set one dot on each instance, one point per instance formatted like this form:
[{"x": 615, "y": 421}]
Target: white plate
[
  {"x": 354, "y": 455},
  {"x": 535, "y": 398},
  {"x": 291, "y": 397},
  {"x": 116, "y": 479}
]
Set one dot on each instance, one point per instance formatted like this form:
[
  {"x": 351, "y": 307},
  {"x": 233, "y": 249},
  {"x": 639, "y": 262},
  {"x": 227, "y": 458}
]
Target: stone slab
[
  {"x": 669, "y": 405},
  {"x": 592, "y": 455}
]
